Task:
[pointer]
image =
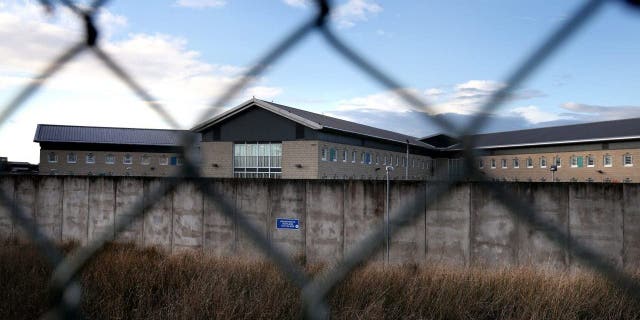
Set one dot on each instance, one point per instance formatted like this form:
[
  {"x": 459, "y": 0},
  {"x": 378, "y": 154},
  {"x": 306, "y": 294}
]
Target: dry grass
[{"x": 125, "y": 282}]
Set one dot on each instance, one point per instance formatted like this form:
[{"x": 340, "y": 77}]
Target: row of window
[
  {"x": 331, "y": 154},
  {"x": 575, "y": 162},
  {"x": 90, "y": 158}
]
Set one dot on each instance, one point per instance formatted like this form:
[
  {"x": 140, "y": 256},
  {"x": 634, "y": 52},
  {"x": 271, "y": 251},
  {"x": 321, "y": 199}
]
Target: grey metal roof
[
  {"x": 577, "y": 133},
  {"x": 109, "y": 135},
  {"x": 352, "y": 127}
]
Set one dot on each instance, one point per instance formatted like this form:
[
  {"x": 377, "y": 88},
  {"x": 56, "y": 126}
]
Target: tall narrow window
[
  {"x": 529, "y": 163},
  {"x": 52, "y": 157},
  {"x": 591, "y": 161},
  {"x": 333, "y": 156},
  {"x": 607, "y": 160},
  {"x": 574, "y": 161},
  {"x": 627, "y": 160},
  {"x": 543, "y": 162},
  {"x": 71, "y": 157},
  {"x": 344, "y": 155},
  {"x": 516, "y": 163},
  {"x": 480, "y": 164},
  {"x": 504, "y": 163},
  {"x": 493, "y": 163},
  {"x": 323, "y": 154},
  {"x": 558, "y": 161},
  {"x": 91, "y": 159},
  {"x": 127, "y": 159}
]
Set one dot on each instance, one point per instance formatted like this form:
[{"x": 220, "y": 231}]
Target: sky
[{"x": 186, "y": 53}]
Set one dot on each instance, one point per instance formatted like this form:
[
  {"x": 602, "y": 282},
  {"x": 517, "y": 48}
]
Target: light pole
[{"x": 386, "y": 224}]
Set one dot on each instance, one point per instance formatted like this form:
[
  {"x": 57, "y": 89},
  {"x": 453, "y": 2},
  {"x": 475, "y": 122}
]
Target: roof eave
[{"x": 556, "y": 142}]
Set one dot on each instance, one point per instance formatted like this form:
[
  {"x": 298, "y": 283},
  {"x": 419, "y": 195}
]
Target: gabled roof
[
  {"x": 315, "y": 121},
  {"x": 109, "y": 135},
  {"x": 578, "y": 133}
]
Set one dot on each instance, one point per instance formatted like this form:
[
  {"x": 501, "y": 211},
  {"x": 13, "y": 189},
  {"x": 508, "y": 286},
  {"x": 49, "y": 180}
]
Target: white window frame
[
  {"x": 145, "y": 159},
  {"x": 529, "y": 162},
  {"x": 593, "y": 161},
  {"x": 323, "y": 154},
  {"x": 354, "y": 155},
  {"x": 480, "y": 164},
  {"x": 543, "y": 162},
  {"x": 345, "y": 155},
  {"x": 503, "y": 163},
  {"x": 516, "y": 163},
  {"x": 362, "y": 157},
  {"x": 624, "y": 160},
  {"x": 604, "y": 160},
  {"x": 72, "y": 157},
  {"x": 163, "y": 160},
  {"x": 573, "y": 160},
  {"x": 109, "y": 155},
  {"x": 127, "y": 159},
  {"x": 53, "y": 159},
  {"x": 335, "y": 153},
  {"x": 90, "y": 158},
  {"x": 557, "y": 161},
  {"x": 493, "y": 163}
]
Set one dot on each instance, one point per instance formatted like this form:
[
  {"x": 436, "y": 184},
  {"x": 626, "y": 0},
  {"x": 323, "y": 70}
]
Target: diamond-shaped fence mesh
[{"x": 314, "y": 290}]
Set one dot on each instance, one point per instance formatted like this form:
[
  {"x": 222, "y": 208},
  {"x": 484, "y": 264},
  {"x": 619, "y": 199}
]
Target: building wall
[
  {"x": 303, "y": 153},
  {"x": 217, "y": 159},
  {"x": 598, "y": 173},
  {"x": 118, "y": 168}
]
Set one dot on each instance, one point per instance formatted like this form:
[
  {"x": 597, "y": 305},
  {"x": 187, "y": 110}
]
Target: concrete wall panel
[
  {"x": 6, "y": 223},
  {"x": 596, "y": 219},
  {"x": 631, "y": 205},
  {"x": 220, "y": 229},
  {"x": 325, "y": 221},
  {"x": 128, "y": 192},
  {"x": 447, "y": 227},
  {"x": 408, "y": 243},
  {"x": 49, "y": 207},
  {"x": 102, "y": 206},
  {"x": 551, "y": 204},
  {"x": 25, "y": 198},
  {"x": 252, "y": 202},
  {"x": 188, "y": 213},
  {"x": 288, "y": 200},
  {"x": 363, "y": 212},
  {"x": 75, "y": 209},
  {"x": 493, "y": 230},
  {"x": 158, "y": 219}
]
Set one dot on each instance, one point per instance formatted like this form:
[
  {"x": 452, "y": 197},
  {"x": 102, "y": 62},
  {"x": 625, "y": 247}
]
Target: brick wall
[
  {"x": 100, "y": 167},
  {"x": 299, "y": 159},
  {"x": 217, "y": 159}
]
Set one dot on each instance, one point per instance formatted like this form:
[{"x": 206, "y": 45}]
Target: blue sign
[{"x": 282, "y": 223}]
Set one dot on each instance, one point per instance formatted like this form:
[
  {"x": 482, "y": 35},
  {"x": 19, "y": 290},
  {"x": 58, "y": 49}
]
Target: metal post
[{"x": 386, "y": 223}]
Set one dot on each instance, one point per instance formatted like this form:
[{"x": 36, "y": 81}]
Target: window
[
  {"x": 377, "y": 158},
  {"x": 258, "y": 159},
  {"x": 179, "y": 161},
  {"x": 591, "y": 162},
  {"x": 353, "y": 156},
  {"x": 480, "y": 164},
  {"x": 109, "y": 159},
  {"x": 367, "y": 158},
  {"x": 333, "y": 156},
  {"x": 127, "y": 159},
  {"x": 71, "y": 157},
  {"x": 627, "y": 159},
  {"x": 385, "y": 160},
  {"x": 558, "y": 161},
  {"x": 344, "y": 155},
  {"x": 163, "y": 160},
  {"x": 529, "y": 163},
  {"x": 504, "y": 163},
  {"x": 52, "y": 157},
  {"x": 516, "y": 163},
  {"x": 574, "y": 161},
  {"x": 404, "y": 161},
  {"x": 607, "y": 160},
  {"x": 397, "y": 160},
  {"x": 323, "y": 154},
  {"x": 493, "y": 163},
  {"x": 362, "y": 157},
  {"x": 90, "y": 158},
  {"x": 145, "y": 159},
  {"x": 543, "y": 162}
]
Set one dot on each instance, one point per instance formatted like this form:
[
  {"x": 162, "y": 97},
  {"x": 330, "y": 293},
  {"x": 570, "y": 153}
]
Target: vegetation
[{"x": 125, "y": 282}]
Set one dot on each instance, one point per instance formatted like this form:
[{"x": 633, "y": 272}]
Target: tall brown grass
[{"x": 125, "y": 282}]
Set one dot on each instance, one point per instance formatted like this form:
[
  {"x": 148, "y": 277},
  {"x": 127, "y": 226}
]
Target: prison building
[
  {"x": 106, "y": 151},
  {"x": 605, "y": 151},
  {"x": 260, "y": 139}
]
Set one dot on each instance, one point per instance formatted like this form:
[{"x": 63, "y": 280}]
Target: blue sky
[{"x": 451, "y": 53}]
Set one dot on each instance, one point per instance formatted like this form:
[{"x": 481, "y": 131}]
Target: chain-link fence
[{"x": 66, "y": 290}]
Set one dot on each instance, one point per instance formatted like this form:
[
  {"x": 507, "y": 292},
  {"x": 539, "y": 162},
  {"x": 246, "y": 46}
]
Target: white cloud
[
  {"x": 347, "y": 14},
  {"x": 534, "y": 115},
  {"x": 388, "y": 101},
  {"x": 198, "y": 4},
  {"x": 589, "y": 112},
  {"x": 85, "y": 92},
  {"x": 297, "y": 3}
]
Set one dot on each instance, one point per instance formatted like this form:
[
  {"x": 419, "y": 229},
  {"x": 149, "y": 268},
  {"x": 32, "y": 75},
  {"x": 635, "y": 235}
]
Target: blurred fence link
[{"x": 66, "y": 290}]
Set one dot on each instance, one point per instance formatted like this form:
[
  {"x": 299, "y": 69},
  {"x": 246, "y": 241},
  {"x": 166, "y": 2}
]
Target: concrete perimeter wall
[{"x": 468, "y": 226}]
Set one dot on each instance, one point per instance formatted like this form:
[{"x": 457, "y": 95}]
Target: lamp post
[{"x": 386, "y": 224}]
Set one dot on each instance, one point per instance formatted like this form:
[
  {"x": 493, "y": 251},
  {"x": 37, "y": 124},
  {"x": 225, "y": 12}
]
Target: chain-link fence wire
[{"x": 66, "y": 289}]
